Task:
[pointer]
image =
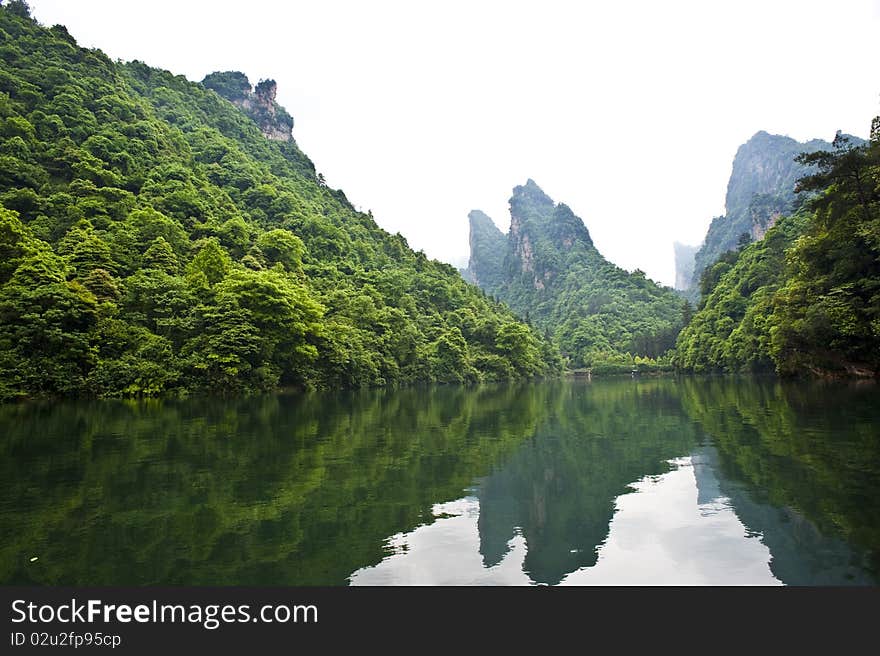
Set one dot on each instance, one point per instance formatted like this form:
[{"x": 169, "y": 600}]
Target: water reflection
[
  {"x": 661, "y": 533},
  {"x": 801, "y": 462},
  {"x": 774, "y": 488},
  {"x": 618, "y": 481},
  {"x": 277, "y": 490},
  {"x": 559, "y": 489},
  {"x": 665, "y": 533}
]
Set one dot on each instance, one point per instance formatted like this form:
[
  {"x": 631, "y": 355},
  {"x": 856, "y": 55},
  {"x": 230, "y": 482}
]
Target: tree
[
  {"x": 284, "y": 247},
  {"x": 262, "y": 326},
  {"x": 232, "y": 85},
  {"x": 687, "y": 313},
  {"x": 212, "y": 261},
  {"x": 18, "y": 7},
  {"x": 16, "y": 241},
  {"x": 44, "y": 328},
  {"x": 85, "y": 250},
  {"x": 147, "y": 224},
  {"x": 516, "y": 341},
  {"x": 450, "y": 360},
  {"x": 161, "y": 256},
  {"x": 102, "y": 284},
  {"x": 851, "y": 170}
]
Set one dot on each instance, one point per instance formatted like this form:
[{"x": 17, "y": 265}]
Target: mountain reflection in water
[{"x": 618, "y": 481}]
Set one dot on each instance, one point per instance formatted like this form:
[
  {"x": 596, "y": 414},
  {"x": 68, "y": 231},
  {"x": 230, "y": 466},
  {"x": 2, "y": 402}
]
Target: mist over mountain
[{"x": 684, "y": 264}]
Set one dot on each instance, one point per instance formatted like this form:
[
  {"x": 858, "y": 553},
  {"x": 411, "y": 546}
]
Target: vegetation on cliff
[
  {"x": 551, "y": 273},
  {"x": 152, "y": 238},
  {"x": 761, "y": 188},
  {"x": 806, "y": 298}
]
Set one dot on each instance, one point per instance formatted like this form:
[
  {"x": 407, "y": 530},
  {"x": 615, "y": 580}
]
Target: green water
[{"x": 611, "y": 481}]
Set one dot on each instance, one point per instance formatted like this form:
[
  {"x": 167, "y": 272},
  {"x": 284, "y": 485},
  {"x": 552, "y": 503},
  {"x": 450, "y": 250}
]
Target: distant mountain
[
  {"x": 684, "y": 264},
  {"x": 549, "y": 271},
  {"x": 760, "y": 190},
  {"x": 488, "y": 247},
  {"x": 805, "y": 297}
]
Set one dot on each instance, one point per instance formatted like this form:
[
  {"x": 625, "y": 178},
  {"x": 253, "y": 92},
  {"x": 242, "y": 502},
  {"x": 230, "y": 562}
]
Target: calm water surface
[{"x": 618, "y": 481}]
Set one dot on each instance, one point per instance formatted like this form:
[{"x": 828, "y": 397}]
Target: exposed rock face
[
  {"x": 522, "y": 247},
  {"x": 266, "y": 90},
  {"x": 258, "y": 103},
  {"x": 538, "y": 229},
  {"x": 760, "y": 190},
  {"x": 548, "y": 269}
]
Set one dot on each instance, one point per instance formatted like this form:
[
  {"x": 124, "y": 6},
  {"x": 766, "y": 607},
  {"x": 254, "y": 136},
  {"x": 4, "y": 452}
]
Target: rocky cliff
[
  {"x": 540, "y": 232},
  {"x": 258, "y": 102},
  {"x": 549, "y": 271},
  {"x": 760, "y": 190}
]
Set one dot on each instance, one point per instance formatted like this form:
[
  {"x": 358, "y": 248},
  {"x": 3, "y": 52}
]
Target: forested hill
[
  {"x": 549, "y": 271},
  {"x": 805, "y": 298},
  {"x": 761, "y": 188},
  {"x": 155, "y": 235}
]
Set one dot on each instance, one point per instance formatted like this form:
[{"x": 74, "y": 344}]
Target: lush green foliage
[
  {"x": 599, "y": 315},
  {"x": 153, "y": 239},
  {"x": 827, "y": 314},
  {"x": 730, "y": 331},
  {"x": 761, "y": 187},
  {"x": 232, "y": 85},
  {"x": 807, "y": 297}
]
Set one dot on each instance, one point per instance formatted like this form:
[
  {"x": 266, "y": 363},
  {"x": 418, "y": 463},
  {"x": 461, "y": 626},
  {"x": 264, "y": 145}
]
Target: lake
[{"x": 611, "y": 481}]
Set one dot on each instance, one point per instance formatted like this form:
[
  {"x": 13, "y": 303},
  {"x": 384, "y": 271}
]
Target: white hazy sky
[{"x": 629, "y": 112}]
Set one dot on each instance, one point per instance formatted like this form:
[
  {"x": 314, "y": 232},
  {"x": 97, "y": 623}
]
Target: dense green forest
[
  {"x": 806, "y": 298},
  {"x": 550, "y": 272},
  {"x": 162, "y": 235},
  {"x": 158, "y": 234},
  {"x": 761, "y": 188}
]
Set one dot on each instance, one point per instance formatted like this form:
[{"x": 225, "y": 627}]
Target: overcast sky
[{"x": 629, "y": 112}]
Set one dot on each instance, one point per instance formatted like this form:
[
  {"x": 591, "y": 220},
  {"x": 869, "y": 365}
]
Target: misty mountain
[
  {"x": 759, "y": 191},
  {"x": 804, "y": 297}
]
